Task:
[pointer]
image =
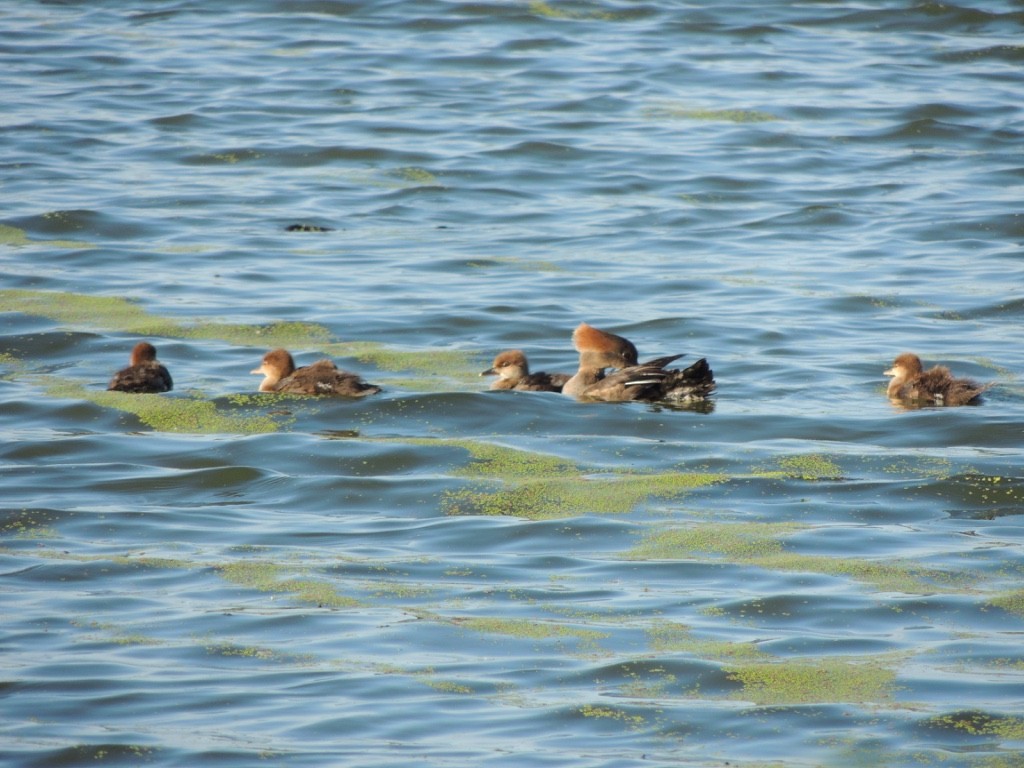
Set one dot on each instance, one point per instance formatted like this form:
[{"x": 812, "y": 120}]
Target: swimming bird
[
  {"x": 513, "y": 372},
  {"x": 936, "y": 386},
  {"x": 632, "y": 380},
  {"x": 320, "y": 378},
  {"x": 145, "y": 374}
]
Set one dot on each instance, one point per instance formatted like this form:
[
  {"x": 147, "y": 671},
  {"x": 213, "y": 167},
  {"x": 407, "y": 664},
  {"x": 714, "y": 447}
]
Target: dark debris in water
[{"x": 307, "y": 228}]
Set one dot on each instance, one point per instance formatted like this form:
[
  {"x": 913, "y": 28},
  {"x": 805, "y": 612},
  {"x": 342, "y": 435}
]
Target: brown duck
[
  {"x": 936, "y": 386},
  {"x": 650, "y": 381},
  {"x": 145, "y": 374},
  {"x": 513, "y": 372},
  {"x": 322, "y": 378}
]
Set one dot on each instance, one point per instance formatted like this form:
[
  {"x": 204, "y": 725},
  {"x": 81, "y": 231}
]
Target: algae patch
[
  {"x": 680, "y": 112},
  {"x": 539, "y": 8},
  {"x": 264, "y": 576},
  {"x": 670, "y": 637},
  {"x": 807, "y": 467},
  {"x": 165, "y": 413},
  {"x": 761, "y": 545},
  {"x": 562, "y": 497},
  {"x": 16, "y": 237},
  {"x": 1012, "y": 602},
  {"x": 978, "y": 723},
  {"x": 441, "y": 362},
  {"x": 539, "y": 486},
  {"x": 119, "y": 314},
  {"x": 801, "y": 682},
  {"x": 526, "y": 629}
]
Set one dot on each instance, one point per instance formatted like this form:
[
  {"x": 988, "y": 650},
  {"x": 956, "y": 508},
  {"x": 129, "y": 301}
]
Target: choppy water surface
[{"x": 801, "y": 575}]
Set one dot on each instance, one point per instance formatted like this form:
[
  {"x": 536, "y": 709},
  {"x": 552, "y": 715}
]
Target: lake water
[{"x": 801, "y": 574}]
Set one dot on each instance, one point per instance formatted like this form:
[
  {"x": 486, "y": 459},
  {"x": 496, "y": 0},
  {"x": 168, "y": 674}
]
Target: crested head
[
  {"x": 907, "y": 364},
  {"x": 275, "y": 365},
  {"x": 143, "y": 352},
  {"x": 588, "y": 339},
  {"x": 511, "y": 357}
]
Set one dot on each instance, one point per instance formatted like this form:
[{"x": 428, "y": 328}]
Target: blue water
[{"x": 801, "y": 574}]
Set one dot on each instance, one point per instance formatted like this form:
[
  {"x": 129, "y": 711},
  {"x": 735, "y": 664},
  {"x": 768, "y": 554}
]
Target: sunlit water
[{"x": 802, "y": 574}]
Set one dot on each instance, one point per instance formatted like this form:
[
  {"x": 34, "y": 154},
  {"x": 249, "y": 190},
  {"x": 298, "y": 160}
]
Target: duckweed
[
  {"x": 440, "y": 362},
  {"x": 978, "y": 723},
  {"x": 611, "y": 713},
  {"x": 548, "y": 11},
  {"x": 669, "y": 637},
  {"x": 116, "y": 313},
  {"x": 572, "y": 496},
  {"x": 264, "y": 576},
  {"x": 16, "y": 237},
  {"x": 12, "y": 236},
  {"x": 808, "y": 467},
  {"x": 260, "y": 653},
  {"x": 760, "y": 545},
  {"x": 163, "y": 413},
  {"x": 1012, "y": 602},
  {"x": 735, "y": 541},
  {"x": 528, "y": 629},
  {"x": 802, "y": 682},
  {"x": 419, "y": 177},
  {"x": 678, "y": 112}
]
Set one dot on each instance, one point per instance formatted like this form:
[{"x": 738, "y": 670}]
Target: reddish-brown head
[
  {"x": 588, "y": 339},
  {"x": 905, "y": 366},
  {"x": 143, "y": 352}
]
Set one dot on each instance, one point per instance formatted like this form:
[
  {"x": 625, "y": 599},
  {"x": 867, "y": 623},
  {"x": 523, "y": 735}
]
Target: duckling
[
  {"x": 936, "y": 386},
  {"x": 144, "y": 374},
  {"x": 322, "y": 378},
  {"x": 513, "y": 372}
]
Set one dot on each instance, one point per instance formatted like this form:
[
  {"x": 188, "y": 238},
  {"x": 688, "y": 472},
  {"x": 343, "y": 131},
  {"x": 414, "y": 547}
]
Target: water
[{"x": 801, "y": 575}]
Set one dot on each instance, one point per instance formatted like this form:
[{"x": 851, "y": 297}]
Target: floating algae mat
[
  {"x": 118, "y": 314},
  {"x": 538, "y": 486},
  {"x": 812, "y": 682},
  {"x": 168, "y": 414},
  {"x": 761, "y": 545}
]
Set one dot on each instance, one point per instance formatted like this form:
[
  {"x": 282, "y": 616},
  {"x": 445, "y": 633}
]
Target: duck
[
  {"x": 322, "y": 378},
  {"x": 936, "y": 386},
  {"x": 632, "y": 380},
  {"x": 145, "y": 374},
  {"x": 513, "y": 372}
]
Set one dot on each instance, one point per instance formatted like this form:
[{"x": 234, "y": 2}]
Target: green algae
[
  {"x": 611, "y": 713},
  {"x": 29, "y": 524},
  {"x": 15, "y": 237},
  {"x": 1011, "y": 602},
  {"x": 191, "y": 415},
  {"x": 120, "y": 314},
  {"x": 564, "y": 497},
  {"x": 809, "y": 467},
  {"x": 548, "y": 11},
  {"x": 734, "y": 541},
  {"x": 812, "y": 682},
  {"x": 529, "y": 629},
  {"x": 258, "y": 653},
  {"x": 670, "y": 637},
  {"x": 127, "y": 560},
  {"x": 12, "y": 236},
  {"x": 539, "y": 486},
  {"x": 419, "y": 177},
  {"x": 679, "y": 112},
  {"x": 760, "y": 545},
  {"x": 263, "y": 576},
  {"x": 441, "y": 362},
  {"x": 977, "y": 723}
]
